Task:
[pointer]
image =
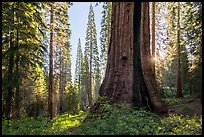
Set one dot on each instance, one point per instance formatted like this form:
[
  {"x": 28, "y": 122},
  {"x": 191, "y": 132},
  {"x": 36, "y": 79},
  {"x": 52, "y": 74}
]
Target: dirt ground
[{"x": 191, "y": 108}]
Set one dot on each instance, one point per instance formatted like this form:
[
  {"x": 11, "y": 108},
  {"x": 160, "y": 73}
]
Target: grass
[{"x": 42, "y": 125}]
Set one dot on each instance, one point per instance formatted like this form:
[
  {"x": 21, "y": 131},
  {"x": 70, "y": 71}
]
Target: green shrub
[
  {"x": 128, "y": 121},
  {"x": 71, "y": 99},
  {"x": 173, "y": 101},
  {"x": 167, "y": 92},
  {"x": 35, "y": 109},
  {"x": 183, "y": 125}
]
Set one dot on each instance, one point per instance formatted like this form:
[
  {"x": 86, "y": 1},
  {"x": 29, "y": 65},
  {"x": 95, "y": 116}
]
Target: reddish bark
[
  {"x": 157, "y": 104},
  {"x": 118, "y": 80},
  {"x": 153, "y": 38},
  {"x": 129, "y": 75}
]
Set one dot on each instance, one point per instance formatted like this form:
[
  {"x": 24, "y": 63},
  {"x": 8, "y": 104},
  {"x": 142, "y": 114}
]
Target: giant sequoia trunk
[{"x": 129, "y": 76}]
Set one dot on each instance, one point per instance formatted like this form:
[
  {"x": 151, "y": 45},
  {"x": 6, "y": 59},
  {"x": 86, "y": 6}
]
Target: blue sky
[{"x": 78, "y": 18}]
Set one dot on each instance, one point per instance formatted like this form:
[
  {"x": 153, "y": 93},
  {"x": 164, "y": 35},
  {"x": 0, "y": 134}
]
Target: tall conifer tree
[{"x": 91, "y": 51}]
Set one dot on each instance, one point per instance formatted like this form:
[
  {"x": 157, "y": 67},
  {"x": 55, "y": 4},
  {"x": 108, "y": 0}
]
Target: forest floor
[
  {"x": 185, "y": 118},
  {"x": 188, "y": 106}
]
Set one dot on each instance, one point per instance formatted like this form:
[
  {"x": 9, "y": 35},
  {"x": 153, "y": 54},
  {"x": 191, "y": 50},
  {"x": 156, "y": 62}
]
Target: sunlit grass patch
[
  {"x": 66, "y": 120},
  {"x": 41, "y": 126},
  {"x": 61, "y": 123}
]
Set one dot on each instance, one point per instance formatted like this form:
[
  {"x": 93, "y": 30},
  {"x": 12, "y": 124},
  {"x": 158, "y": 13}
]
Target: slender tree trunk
[
  {"x": 179, "y": 88},
  {"x": 153, "y": 38},
  {"x": 90, "y": 97},
  {"x": 50, "y": 92},
  {"x": 8, "y": 105},
  {"x": 129, "y": 75},
  {"x": 18, "y": 79},
  {"x": 61, "y": 96},
  {"x": 61, "y": 82},
  {"x": 200, "y": 83},
  {"x": 17, "y": 96},
  {"x": 10, "y": 88},
  {"x": 79, "y": 85},
  {"x": 89, "y": 85},
  {"x": 17, "y": 101},
  {"x": 190, "y": 82}
]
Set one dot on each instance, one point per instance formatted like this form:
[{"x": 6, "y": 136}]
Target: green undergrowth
[
  {"x": 107, "y": 120},
  {"x": 169, "y": 96},
  {"x": 42, "y": 125},
  {"x": 125, "y": 120}
]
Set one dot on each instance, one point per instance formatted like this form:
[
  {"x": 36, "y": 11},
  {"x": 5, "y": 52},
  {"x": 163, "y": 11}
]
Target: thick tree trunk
[
  {"x": 179, "y": 88},
  {"x": 118, "y": 81},
  {"x": 129, "y": 75},
  {"x": 151, "y": 86}
]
